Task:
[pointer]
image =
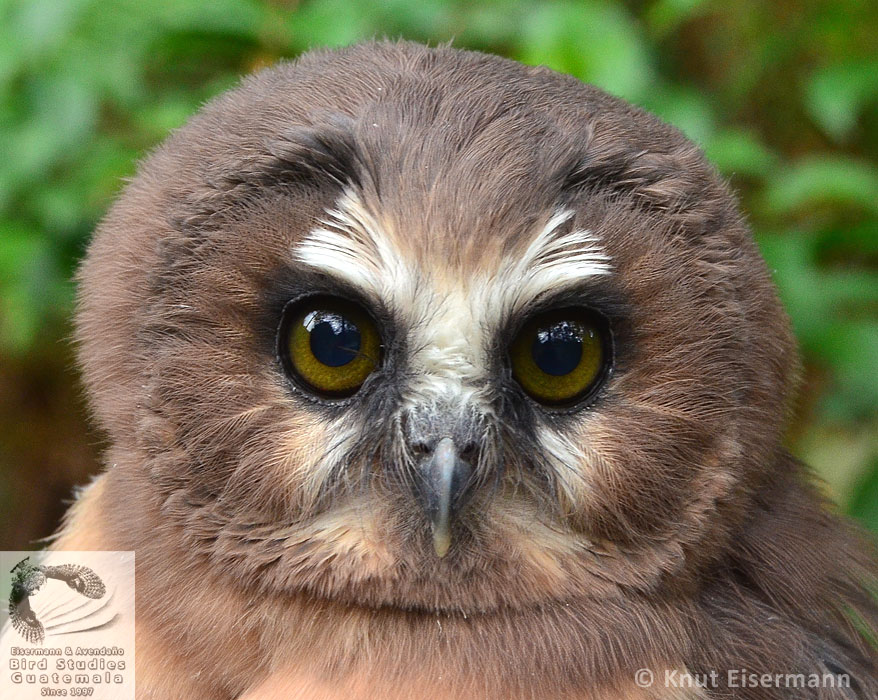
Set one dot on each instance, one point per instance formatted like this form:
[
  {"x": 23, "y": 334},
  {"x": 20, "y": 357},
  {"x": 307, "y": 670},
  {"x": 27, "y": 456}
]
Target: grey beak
[{"x": 444, "y": 479}]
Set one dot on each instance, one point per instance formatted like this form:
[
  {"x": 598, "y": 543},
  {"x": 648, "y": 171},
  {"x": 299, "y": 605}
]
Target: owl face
[{"x": 430, "y": 329}]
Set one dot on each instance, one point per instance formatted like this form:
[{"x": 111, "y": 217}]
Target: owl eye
[
  {"x": 329, "y": 345},
  {"x": 561, "y": 356}
]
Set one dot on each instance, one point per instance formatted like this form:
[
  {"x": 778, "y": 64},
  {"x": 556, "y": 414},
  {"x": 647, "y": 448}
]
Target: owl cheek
[
  {"x": 654, "y": 486},
  {"x": 284, "y": 474}
]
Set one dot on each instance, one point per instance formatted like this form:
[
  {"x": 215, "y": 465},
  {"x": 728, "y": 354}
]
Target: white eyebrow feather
[
  {"x": 352, "y": 245},
  {"x": 553, "y": 260}
]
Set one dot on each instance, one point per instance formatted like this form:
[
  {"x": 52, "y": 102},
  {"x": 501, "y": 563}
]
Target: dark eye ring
[
  {"x": 562, "y": 357},
  {"x": 328, "y": 345}
]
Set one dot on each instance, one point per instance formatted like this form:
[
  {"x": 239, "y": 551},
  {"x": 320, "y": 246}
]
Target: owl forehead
[{"x": 453, "y": 296}]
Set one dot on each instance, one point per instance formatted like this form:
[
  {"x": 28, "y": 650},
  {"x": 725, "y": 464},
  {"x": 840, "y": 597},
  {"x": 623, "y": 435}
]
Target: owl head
[{"x": 427, "y": 328}]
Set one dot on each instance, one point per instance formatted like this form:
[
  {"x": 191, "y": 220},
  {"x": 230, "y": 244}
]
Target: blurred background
[{"x": 783, "y": 96}]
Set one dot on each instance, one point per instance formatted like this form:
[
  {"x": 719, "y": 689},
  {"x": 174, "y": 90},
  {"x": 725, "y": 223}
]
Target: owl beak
[{"x": 444, "y": 480}]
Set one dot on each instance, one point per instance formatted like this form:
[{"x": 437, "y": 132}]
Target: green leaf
[
  {"x": 664, "y": 16},
  {"x": 596, "y": 42},
  {"x": 739, "y": 152},
  {"x": 864, "y": 503},
  {"x": 35, "y": 28},
  {"x": 25, "y": 259},
  {"x": 330, "y": 23},
  {"x": 850, "y": 349},
  {"x": 685, "y": 108},
  {"x": 836, "y": 95},
  {"x": 851, "y": 244},
  {"x": 822, "y": 180}
]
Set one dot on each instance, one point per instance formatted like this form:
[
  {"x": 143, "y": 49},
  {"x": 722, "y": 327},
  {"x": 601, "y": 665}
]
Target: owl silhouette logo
[{"x": 27, "y": 579}]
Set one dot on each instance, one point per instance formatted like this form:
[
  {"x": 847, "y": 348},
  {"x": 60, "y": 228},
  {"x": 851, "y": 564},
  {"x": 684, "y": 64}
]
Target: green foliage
[{"x": 782, "y": 96}]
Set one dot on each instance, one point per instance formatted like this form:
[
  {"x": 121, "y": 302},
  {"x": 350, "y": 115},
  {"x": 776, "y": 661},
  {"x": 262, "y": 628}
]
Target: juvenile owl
[{"x": 427, "y": 374}]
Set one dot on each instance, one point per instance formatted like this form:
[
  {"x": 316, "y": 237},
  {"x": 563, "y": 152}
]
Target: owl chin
[{"x": 509, "y": 551}]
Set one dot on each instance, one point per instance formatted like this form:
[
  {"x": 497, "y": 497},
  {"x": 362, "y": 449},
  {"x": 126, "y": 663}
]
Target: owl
[
  {"x": 427, "y": 374},
  {"x": 27, "y": 579}
]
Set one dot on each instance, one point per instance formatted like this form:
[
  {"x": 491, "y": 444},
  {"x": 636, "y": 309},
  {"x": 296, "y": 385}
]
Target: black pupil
[
  {"x": 335, "y": 339},
  {"x": 557, "y": 349}
]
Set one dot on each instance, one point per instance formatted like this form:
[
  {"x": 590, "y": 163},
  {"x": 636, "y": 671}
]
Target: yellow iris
[
  {"x": 558, "y": 356},
  {"x": 333, "y": 345}
]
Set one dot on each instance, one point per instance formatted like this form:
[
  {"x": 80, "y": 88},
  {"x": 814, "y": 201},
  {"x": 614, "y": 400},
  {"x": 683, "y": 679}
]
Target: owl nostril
[
  {"x": 420, "y": 448},
  {"x": 470, "y": 453}
]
